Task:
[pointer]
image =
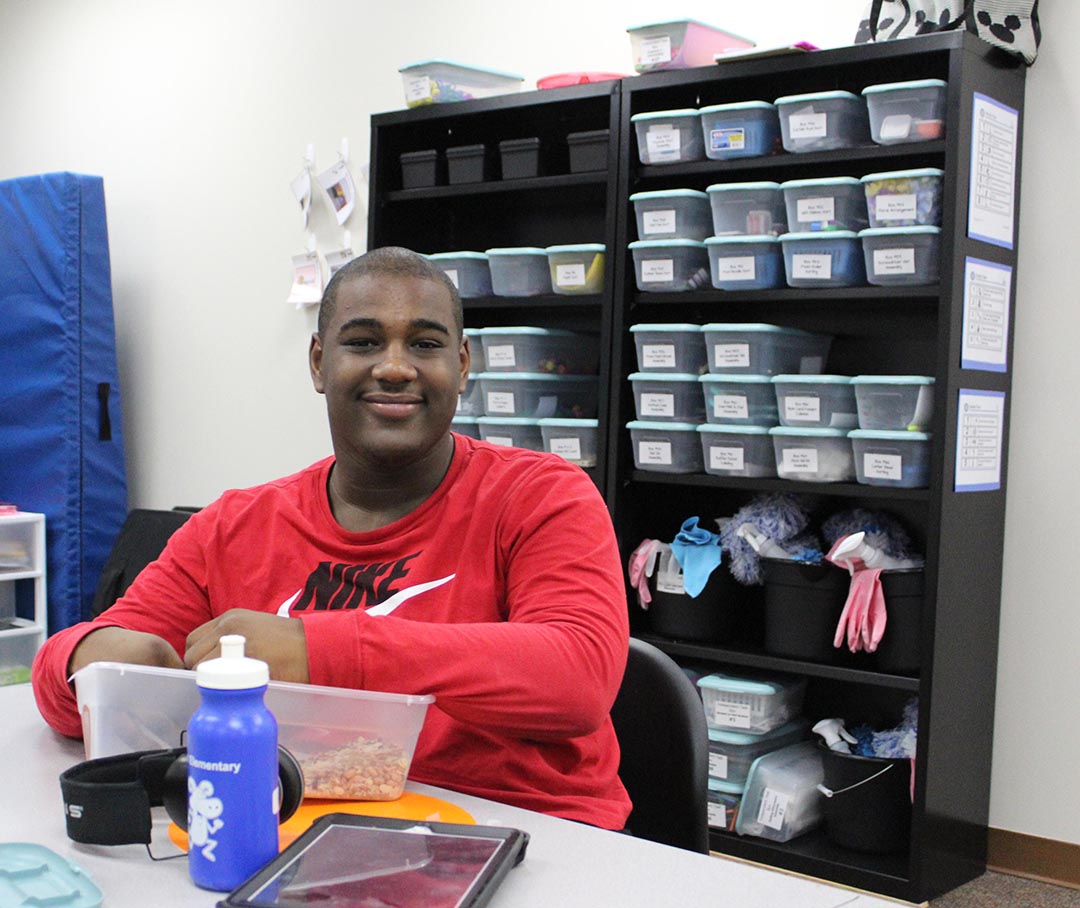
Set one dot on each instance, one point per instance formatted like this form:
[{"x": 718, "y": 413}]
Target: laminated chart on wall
[
  {"x": 995, "y": 133},
  {"x": 980, "y": 423},
  {"x": 987, "y": 298}
]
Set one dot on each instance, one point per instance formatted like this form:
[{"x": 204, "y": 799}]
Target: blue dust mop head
[
  {"x": 773, "y": 524},
  {"x": 883, "y": 532}
]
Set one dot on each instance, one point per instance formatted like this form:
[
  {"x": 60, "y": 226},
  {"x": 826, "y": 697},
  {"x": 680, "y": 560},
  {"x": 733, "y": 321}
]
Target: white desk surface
[{"x": 566, "y": 864}]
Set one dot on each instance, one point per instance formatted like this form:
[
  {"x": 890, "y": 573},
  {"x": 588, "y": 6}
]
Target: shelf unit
[
  {"x": 877, "y": 330},
  {"x": 23, "y": 617}
]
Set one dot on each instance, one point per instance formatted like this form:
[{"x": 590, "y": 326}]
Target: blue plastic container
[
  {"x": 742, "y": 130},
  {"x": 830, "y": 203},
  {"x": 745, "y": 262},
  {"x": 670, "y": 266},
  {"x": 826, "y": 259},
  {"x": 747, "y": 400},
  {"x": 897, "y": 459}
]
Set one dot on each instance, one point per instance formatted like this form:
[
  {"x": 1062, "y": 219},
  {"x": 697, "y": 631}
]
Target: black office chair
[
  {"x": 140, "y": 541},
  {"x": 660, "y": 724}
]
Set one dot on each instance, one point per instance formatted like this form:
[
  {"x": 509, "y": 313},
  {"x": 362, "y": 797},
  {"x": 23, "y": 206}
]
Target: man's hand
[
  {"x": 117, "y": 644},
  {"x": 278, "y": 641}
]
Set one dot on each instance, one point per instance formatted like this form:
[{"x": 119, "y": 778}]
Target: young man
[{"x": 413, "y": 560}]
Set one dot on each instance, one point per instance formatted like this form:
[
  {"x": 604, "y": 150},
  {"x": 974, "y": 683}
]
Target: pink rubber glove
[{"x": 640, "y": 568}]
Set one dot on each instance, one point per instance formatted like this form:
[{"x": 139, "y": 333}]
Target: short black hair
[{"x": 392, "y": 260}]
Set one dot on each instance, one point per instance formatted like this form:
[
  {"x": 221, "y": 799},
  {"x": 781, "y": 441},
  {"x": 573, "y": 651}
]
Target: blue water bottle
[{"x": 233, "y": 787}]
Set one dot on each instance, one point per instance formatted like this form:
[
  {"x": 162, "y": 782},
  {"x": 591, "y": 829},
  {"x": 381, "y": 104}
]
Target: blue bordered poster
[
  {"x": 987, "y": 294},
  {"x": 995, "y": 130},
  {"x": 980, "y": 422}
]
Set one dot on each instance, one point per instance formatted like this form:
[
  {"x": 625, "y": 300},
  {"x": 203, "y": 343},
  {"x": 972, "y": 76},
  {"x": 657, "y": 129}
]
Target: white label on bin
[
  {"x": 655, "y": 50},
  {"x": 570, "y": 448},
  {"x": 895, "y": 127},
  {"x": 808, "y": 125},
  {"x": 500, "y": 402},
  {"x": 740, "y": 268},
  {"x": 655, "y": 453},
  {"x": 660, "y": 221},
  {"x": 501, "y": 355},
  {"x": 718, "y": 765},
  {"x": 417, "y": 88},
  {"x": 657, "y": 405},
  {"x": 504, "y": 440},
  {"x": 731, "y": 356},
  {"x": 663, "y": 143},
  {"x": 570, "y": 275},
  {"x": 452, "y": 274},
  {"x": 815, "y": 267},
  {"x": 799, "y": 460},
  {"x": 774, "y": 805},
  {"x": 731, "y": 715},
  {"x": 802, "y": 409},
  {"x": 657, "y": 270},
  {"x": 670, "y": 583},
  {"x": 717, "y": 816},
  {"x": 731, "y": 459},
  {"x": 883, "y": 466},
  {"x": 894, "y": 261},
  {"x": 814, "y": 210},
  {"x": 731, "y": 139},
  {"x": 730, "y": 406},
  {"x": 902, "y": 207},
  {"x": 657, "y": 356}
]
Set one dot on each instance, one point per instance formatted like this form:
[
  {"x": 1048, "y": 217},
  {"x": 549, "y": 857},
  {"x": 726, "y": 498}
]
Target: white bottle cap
[{"x": 232, "y": 670}]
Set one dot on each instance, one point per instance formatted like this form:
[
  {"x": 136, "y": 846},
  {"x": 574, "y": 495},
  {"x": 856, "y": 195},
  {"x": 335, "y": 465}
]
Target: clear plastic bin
[
  {"x": 744, "y": 400},
  {"x": 745, "y": 262},
  {"x": 665, "y": 447},
  {"x": 511, "y": 432},
  {"x": 906, "y": 111},
  {"x": 731, "y": 753},
  {"x": 896, "y": 403},
  {"x": 535, "y": 395},
  {"x": 468, "y": 271},
  {"x": 747, "y": 209},
  {"x": 752, "y": 348},
  {"x": 519, "y": 271},
  {"x": 572, "y": 439},
  {"x": 476, "y": 349},
  {"x": 897, "y": 459},
  {"x": 668, "y": 397},
  {"x": 751, "y": 703},
  {"x": 669, "y": 136},
  {"x": 813, "y": 455},
  {"x": 672, "y": 347},
  {"x": 904, "y": 198},
  {"x": 672, "y": 214},
  {"x": 576, "y": 269},
  {"x": 465, "y": 425},
  {"x": 18, "y": 646},
  {"x": 831, "y": 203},
  {"x": 724, "y": 801},
  {"x": 744, "y": 129},
  {"x": 823, "y": 120},
  {"x": 826, "y": 259},
  {"x": 549, "y": 350},
  {"x": 679, "y": 44},
  {"x": 816, "y": 401},
  {"x": 730, "y": 450},
  {"x": 442, "y": 81},
  {"x": 670, "y": 266},
  {"x": 781, "y": 800},
  {"x": 471, "y": 400},
  {"x": 901, "y": 256}
]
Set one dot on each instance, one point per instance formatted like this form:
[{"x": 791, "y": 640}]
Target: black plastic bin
[
  {"x": 470, "y": 164},
  {"x": 711, "y": 617},
  {"x": 870, "y": 806},
  {"x": 520, "y": 158},
  {"x": 420, "y": 169},
  {"x": 588, "y": 150}
]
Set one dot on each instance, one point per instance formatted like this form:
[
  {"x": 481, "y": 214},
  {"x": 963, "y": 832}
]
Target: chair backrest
[
  {"x": 664, "y": 739},
  {"x": 140, "y": 541}
]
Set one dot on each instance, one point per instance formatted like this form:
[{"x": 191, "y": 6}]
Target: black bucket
[
  {"x": 870, "y": 806},
  {"x": 710, "y": 617},
  {"x": 900, "y": 647}
]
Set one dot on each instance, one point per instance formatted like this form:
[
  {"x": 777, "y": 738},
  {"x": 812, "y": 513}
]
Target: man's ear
[
  {"x": 466, "y": 363},
  {"x": 315, "y": 353}
]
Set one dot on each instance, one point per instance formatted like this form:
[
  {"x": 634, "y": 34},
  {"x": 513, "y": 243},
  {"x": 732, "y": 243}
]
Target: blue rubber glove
[{"x": 698, "y": 553}]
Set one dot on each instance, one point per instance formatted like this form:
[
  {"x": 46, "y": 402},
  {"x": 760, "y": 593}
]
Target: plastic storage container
[
  {"x": 519, "y": 271},
  {"x": 537, "y": 395},
  {"x": 751, "y": 703},
  {"x": 897, "y": 459},
  {"x": 747, "y": 208},
  {"x": 728, "y": 450},
  {"x": 826, "y": 259},
  {"x": 468, "y": 271},
  {"x": 741, "y": 130},
  {"x": 724, "y": 801},
  {"x": 679, "y": 44},
  {"x": 471, "y": 400},
  {"x": 421, "y": 169},
  {"x": 572, "y": 439},
  {"x": 753, "y": 348},
  {"x": 822, "y": 120},
  {"x": 816, "y": 401},
  {"x": 465, "y": 425},
  {"x": 897, "y": 403},
  {"x": 476, "y": 349},
  {"x": 712, "y": 616},
  {"x": 576, "y": 269},
  {"x": 781, "y": 800},
  {"x": 747, "y": 400},
  {"x": 668, "y": 397},
  {"x": 588, "y": 150},
  {"x": 669, "y": 136},
  {"x": 18, "y": 646},
  {"x": 549, "y": 350},
  {"x": 441, "y": 81},
  {"x": 745, "y": 262},
  {"x": 830, "y": 203},
  {"x": 470, "y": 164},
  {"x": 670, "y": 266},
  {"x": 813, "y": 455},
  {"x": 901, "y": 256},
  {"x": 669, "y": 347},
  {"x": 870, "y": 807},
  {"x": 671, "y": 214},
  {"x": 665, "y": 447},
  {"x": 904, "y": 198},
  {"x": 520, "y": 158},
  {"x": 732, "y": 752},
  {"x": 511, "y": 432},
  {"x": 906, "y": 111}
]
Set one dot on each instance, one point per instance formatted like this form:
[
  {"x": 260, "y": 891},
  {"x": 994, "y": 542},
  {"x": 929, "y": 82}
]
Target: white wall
[{"x": 197, "y": 116}]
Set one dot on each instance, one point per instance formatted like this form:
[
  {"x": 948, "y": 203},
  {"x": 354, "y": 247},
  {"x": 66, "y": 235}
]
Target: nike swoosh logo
[{"x": 383, "y": 608}]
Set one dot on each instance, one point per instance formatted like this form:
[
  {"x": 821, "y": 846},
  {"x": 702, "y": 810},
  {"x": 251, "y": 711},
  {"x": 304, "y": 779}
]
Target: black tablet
[{"x": 350, "y": 861}]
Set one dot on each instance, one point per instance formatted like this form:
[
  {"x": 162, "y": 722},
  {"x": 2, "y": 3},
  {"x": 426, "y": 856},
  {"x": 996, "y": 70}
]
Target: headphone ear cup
[
  {"x": 174, "y": 791},
  {"x": 292, "y": 784}
]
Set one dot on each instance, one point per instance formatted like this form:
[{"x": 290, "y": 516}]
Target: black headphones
[{"x": 107, "y": 801}]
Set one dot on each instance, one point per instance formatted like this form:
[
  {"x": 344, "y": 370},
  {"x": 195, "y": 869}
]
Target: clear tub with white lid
[
  {"x": 668, "y": 397},
  {"x": 901, "y": 256},
  {"x": 897, "y": 459},
  {"x": 442, "y": 81},
  {"x": 734, "y": 450},
  {"x": 828, "y": 203},
  {"x": 899, "y": 403},
  {"x": 670, "y": 266},
  {"x": 572, "y": 439},
  {"x": 904, "y": 198},
  {"x": 747, "y": 400},
  {"x": 468, "y": 271},
  {"x": 906, "y": 111},
  {"x": 672, "y": 214},
  {"x": 740, "y": 130},
  {"x": 813, "y": 455},
  {"x": 754, "y": 348},
  {"x": 823, "y": 120},
  {"x": 536, "y": 395},
  {"x": 754, "y": 703},
  {"x": 745, "y": 262},
  {"x": 511, "y": 432},
  {"x": 732, "y": 752},
  {"x": 679, "y": 44},
  {"x": 747, "y": 208},
  {"x": 576, "y": 268},
  {"x": 669, "y": 136},
  {"x": 665, "y": 447},
  {"x": 669, "y": 347},
  {"x": 816, "y": 401},
  {"x": 527, "y": 348},
  {"x": 827, "y": 258},
  {"x": 519, "y": 271}
]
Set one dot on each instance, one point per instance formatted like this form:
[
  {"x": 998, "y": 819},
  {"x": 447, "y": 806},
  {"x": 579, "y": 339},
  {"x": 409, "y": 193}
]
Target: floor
[{"x": 999, "y": 889}]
